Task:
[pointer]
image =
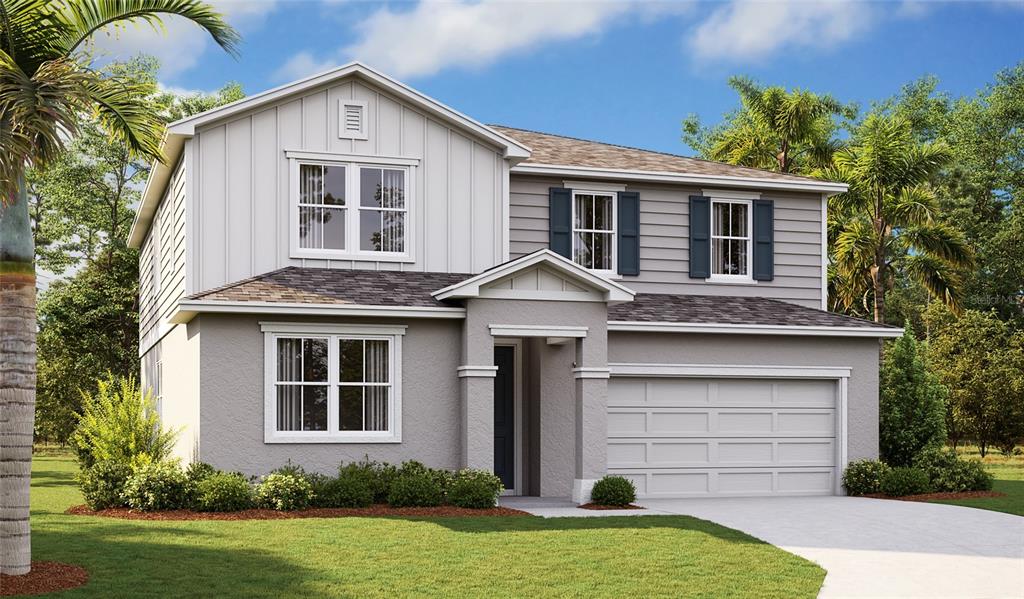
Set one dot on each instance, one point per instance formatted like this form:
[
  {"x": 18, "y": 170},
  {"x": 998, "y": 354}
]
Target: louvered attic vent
[{"x": 352, "y": 119}]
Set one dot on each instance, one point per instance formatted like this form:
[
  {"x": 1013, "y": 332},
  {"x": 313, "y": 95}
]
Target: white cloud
[
  {"x": 181, "y": 44},
  {"x": 746, "y": 31},
  {"x": 301, "y": 65}
]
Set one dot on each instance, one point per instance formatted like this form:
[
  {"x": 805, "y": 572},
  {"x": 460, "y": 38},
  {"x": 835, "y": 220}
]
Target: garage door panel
[{"x": 681, "y": 437}]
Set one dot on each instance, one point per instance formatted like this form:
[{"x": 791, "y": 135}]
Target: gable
[{"x": 541, "y": 283}]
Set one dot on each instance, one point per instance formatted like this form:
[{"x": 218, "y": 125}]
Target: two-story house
[{"x": 343, "y": 267}]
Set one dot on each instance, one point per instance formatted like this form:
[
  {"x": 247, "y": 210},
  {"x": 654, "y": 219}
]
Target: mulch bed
[
  {"x": 595, "y": 506},
  {"x": 444, "y": 511},
  {"x": 45, "y": 577},
  {"x": 934, "y": 496}
]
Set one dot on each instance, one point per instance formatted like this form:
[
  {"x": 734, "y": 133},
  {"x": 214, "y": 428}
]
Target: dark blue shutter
[
  {"x": 764, "y": 240},
  {"x": 700, "y": 237},
  {"x": 629, "y": 233},
  {"x": 560, "y": 221}
]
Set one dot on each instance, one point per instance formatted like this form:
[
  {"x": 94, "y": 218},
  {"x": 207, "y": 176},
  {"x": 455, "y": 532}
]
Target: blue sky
[{"x": 623, "y": 72}]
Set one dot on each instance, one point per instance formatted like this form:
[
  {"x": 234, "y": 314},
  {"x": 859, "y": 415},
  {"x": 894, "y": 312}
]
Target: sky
[{"x": 624, "y": 72}]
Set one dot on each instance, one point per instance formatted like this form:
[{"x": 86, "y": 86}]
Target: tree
[
  {"x": 774, "y": 129},
  {"x": 46, "y": 83},
  {"x": 981, "y": 361},
  {"x": 912, "y": 403},
  {"x": 887, "y": 221},
  {"x": 177, "y": 107}
]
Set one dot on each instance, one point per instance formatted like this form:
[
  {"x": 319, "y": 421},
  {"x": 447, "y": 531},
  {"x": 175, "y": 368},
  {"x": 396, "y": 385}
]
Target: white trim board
[
  {"x": 620, "y": 369},
  {"x": 752, "y": 329},
  {"x": 187, "y": 310},
  {"x": 524, "y": 330}
]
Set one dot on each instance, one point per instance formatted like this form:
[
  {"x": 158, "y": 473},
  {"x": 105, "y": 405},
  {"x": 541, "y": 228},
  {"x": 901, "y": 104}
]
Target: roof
[
  {"x": 550, "y": 149},
  {"x": 656, "y": 308},
  {"x": 295, "y": 285}
]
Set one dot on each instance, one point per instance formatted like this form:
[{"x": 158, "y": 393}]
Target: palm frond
[
  {"x": 120, "y": 111},
  {"x": 938, "y": 277},
  {"x": 855, "y": 244},
  {"x": 911, "y": 206},
  {"x": 938, "y": 241}
]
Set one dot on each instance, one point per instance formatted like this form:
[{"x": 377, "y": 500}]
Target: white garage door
[{"x": 683, "y": 437}]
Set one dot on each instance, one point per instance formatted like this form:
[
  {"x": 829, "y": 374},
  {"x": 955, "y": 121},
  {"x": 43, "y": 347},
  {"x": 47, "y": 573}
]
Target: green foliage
[
  {"x": 102, "y": 484},
  {"x": 442, "y": 477},
  {"x": 351, "y": 488},
  {"x": 905, "y": 480},
  {"x": 613, "y": 490},
  {"x": 476, "y": 489},
  {"x": 864, "y": 477},
  {"x": 222, "y": 492},
  {"x": 281, "y": 491},
  {"x": 157, "y": 486},
  {"x": 415, "y": 487},
  {"x": 119, "y": 424},
  {"x": 912, "y": 410},
  {"x": 378, "y": 475},
  {"x": 947, "y": 473},
  {"x": 981, "y": 360},
  {"x": 177, "y": 107},
  {"x": 88, "y": 330}
]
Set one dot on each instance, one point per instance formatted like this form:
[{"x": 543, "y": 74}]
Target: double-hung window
[
  {"x": 593, "y": 230},
  {"x": 333, "y": 383},
  {"x": 731, "y": 240},
  {"x": 351, "y": 210}
]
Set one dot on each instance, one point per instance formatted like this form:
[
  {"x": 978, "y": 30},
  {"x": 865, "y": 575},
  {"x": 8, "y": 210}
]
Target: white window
[
  {"x": 351, "y": 210},
  {"x": 332, "y": 383},
  {"x": 593, "y": 229},
  {"x": 731, "y": 240}
]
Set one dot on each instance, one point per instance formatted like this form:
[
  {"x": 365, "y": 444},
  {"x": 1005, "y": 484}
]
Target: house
[{"x": 344, "y": 267}]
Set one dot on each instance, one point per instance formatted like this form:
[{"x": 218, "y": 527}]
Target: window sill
[
  {"x": 277, "y": 438},
  {"x": 730, "y": 280},
  {"x": 343, "y": 255}
]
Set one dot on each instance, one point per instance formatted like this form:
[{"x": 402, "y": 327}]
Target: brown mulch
[
  {"x": 934, "y": 496},
  {"x": 597, "y": 506},
  {"x": 444, "y": 511},
  {"x": 45, "y": 577}
]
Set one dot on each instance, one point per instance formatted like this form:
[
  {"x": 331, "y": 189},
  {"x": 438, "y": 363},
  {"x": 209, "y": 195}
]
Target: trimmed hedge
[
  {"x": 157, "y": 486},
  {"x": 223, "y": 492},
  {"x": 947, "y": 473},
  {"x": 899, "y": 482},
  {"x": 415, "y": 489},
  {"x": 286, "y": 492},
  {"x": 614, "y": 491},
  {"x": 103, "y": 483},
  {"x": 864, "y": 477},
  {"x": 478, "y": 489}
]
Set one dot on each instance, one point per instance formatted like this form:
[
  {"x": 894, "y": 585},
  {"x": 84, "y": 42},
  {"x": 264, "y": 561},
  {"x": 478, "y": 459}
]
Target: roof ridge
[{"x": 649, "y": 151}]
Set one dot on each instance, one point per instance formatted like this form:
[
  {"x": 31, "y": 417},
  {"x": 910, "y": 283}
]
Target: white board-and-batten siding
[
  {"x": 164, "y": 250},
  {"x": 241, "y": 188},
  {"x": 664, "y": 240}
]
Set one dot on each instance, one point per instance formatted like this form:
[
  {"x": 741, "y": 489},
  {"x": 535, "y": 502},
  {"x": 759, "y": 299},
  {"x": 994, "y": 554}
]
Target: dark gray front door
[{"x": 504, "y": 415}]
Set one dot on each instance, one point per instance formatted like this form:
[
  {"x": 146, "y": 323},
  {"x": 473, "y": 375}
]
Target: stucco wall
[
  {"x": 179, "y": 353},
  {"x": 861, "y": 355},
  {"x": 232, "y": 390}
]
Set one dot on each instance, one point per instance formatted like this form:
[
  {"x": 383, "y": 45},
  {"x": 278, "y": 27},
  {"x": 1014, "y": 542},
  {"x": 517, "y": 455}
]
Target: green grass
[
  {"x": 645, "y": 556},
  {"x": 1009, "y": 474}
]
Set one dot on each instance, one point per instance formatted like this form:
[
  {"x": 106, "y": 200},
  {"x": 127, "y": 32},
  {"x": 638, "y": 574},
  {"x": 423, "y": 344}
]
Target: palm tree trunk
[{"x": 17, "y": 380}]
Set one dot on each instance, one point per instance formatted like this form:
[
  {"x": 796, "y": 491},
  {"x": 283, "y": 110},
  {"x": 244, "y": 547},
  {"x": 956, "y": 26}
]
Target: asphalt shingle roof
[
  {"x": 548, "y": 148},
  {"x": 716, "y": 309}
]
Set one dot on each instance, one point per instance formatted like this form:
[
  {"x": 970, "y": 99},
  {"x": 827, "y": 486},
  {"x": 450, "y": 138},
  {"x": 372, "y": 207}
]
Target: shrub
[
  {"x": 196, "y": 473},
  {"x": 223, "y": 492},
  {"x": 415, "y": 488},
  {"x": 346, "y": 490},
  {"x": 474, "y": 489},
  {"x": 613, "y": 490},
  {"x": 947, "y": 473},
  {"x": 280, "y": 491},
  {"x": 119, "y": 424},
  {"x": 911, "y": 405},
  {"x": 905, "y": 480},
  {"x": 443, "y": 478},
  {"x": 103, "y": 483},
  {"x": 378, "y": 475},
  {"x": 864, "y": 477},
  {"x": 156, "y": 486}
]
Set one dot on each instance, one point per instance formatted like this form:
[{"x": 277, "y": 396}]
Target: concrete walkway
[{"x": 870, "y": 547}]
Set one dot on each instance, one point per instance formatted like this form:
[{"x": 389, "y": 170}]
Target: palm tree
[
  {"x": 887, "y": 221},
  {"x": 46, "y": 84},
  {"x": 779, "y": 130}
]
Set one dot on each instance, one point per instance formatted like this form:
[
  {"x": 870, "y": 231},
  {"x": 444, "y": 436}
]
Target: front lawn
[
  {"x": 644, "y": 556},
  {"x": 1009, "y": 474}
]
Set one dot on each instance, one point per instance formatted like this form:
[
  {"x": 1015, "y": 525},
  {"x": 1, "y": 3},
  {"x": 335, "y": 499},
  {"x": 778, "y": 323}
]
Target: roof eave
[
  {"x": 186, "y": 310},
  {"x": 754, "y": 329},
  {"x": 826, "y": 187},
  {"x": 170, "y": 146}
]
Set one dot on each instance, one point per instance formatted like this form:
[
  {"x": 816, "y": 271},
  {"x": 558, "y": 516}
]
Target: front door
[{"x": 504, "y": 415}]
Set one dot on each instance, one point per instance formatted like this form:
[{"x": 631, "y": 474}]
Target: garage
[{"x": 720, "y": 431}]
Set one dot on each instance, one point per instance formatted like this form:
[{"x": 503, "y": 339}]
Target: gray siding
[
  {"x": 664, "y": 240},
  {"x": 241, "y": 186},
  {"x": 163, "y": 250}
]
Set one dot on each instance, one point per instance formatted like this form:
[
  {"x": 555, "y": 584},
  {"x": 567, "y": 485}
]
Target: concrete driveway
[{"x": 881, "y": 548}]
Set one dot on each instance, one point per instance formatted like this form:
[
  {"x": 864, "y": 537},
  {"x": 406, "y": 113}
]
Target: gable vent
[{"x": 352, "y": 119}]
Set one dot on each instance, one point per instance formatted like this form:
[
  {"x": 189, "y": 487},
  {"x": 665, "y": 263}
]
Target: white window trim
[
  {"x": 713, "y": 277},
  {"x": 333, "y": 332},
  {"x": 595, "y": 190},
  {"x": 352, "y": 207},
  {"x": 363, "y": 117}
]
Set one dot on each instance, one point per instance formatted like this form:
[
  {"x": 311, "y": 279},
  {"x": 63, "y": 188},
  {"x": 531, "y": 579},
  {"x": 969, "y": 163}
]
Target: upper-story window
[
  {"x": 352, "y": 209},
  {"x": 593, "y": 229},
  {"x": 730, "y": 238}
]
